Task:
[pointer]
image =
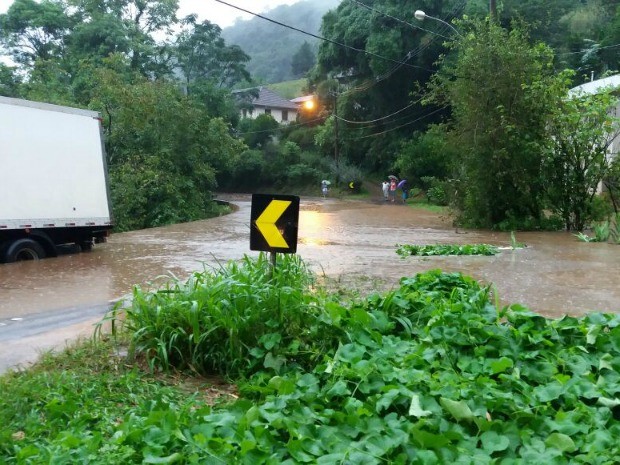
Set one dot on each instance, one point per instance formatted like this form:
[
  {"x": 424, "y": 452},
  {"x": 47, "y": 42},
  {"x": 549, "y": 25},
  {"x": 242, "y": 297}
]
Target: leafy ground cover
[
  {"x": 446, "y": 249},
  {"x": 429, "y": 373}
]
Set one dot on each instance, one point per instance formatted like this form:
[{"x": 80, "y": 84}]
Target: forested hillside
[{"x": 271, "y": 46}]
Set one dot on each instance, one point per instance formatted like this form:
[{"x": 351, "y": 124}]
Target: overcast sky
[{"x": 215, "y": 12}]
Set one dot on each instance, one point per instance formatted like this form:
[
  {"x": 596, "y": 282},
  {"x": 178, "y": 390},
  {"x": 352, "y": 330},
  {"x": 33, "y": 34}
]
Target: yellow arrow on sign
[{"x": 266, "y": 223}]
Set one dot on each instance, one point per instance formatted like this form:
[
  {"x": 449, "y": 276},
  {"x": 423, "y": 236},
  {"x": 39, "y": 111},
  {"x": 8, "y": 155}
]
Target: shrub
[
  {"x": 234, "y": 321},
  {"x": 299, "y": 175}
]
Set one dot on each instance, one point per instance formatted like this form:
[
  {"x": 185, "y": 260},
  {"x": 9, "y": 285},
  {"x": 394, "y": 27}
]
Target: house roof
[
  {"x": 302, "y": 99},
  {"x": 594, "y": 87},
  {"x": 268, "y": 98}
]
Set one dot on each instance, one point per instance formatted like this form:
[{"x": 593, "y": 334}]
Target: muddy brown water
[{"x": 350, "y": 241}]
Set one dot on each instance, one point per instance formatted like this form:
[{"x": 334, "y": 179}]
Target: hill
[
  {"x": 289, "y": 89},
  {"x": 272, "y": 46}
]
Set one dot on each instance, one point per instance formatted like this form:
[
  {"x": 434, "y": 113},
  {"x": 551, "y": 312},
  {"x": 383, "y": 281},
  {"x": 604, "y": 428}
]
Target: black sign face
[{"x": 274, "y": 223}]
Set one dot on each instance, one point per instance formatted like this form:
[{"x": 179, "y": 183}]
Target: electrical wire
[
  {"x": 379, "y": 119},
  {"x": 587, "y": 50},
  {"x": 398, "y": 127}
]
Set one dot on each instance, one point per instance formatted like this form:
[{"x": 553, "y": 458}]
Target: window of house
[
  {"x": 267, "y": 111},
  {"x": 284, "y": 115},
  {"x": 245, "y": 113}
]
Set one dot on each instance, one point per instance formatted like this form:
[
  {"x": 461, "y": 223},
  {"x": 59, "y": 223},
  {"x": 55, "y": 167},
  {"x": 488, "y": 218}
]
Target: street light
[{"x": 421, "y": 16}]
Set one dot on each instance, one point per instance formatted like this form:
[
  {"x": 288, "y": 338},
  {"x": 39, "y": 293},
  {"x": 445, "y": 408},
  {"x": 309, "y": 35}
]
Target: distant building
[
  {"x": 593, "y": 87},
  {"x": 265, "y": 101}
]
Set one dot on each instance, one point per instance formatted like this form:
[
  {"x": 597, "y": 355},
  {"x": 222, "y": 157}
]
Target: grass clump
[
  {"x": 440, "y": 249},
  {"x": 233, "y": 321}
]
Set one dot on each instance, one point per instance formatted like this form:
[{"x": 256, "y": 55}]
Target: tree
[
  {"x": 581, "y": 130},
  {"x": 202, "y": 55},
  {"x": 9, "y": 81},
  {"x": 259, "y": 131},
  {"x": 164, "y": 150},
  {"x": 380, "y": 70},
  {"x": 303, "y": 60},
  {"x": 498, "y": 91},
  {"x": 132, "y": 24},
  {"x": 34, "y": 30}
]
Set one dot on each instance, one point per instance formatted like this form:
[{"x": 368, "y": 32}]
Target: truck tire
[{"x": 23, "y": 249}]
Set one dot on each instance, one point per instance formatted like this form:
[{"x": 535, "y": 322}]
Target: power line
[
  {"x": 398, "y": 127},
  {"x": 587, "y": 50},
  {"x": 318, "y": 37},
  {"x": 382, "y": 118}
]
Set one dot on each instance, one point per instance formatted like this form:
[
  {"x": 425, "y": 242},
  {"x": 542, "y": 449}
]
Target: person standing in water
[
  {"x": 324, "y": 189},
  {"x": 393, "y": 190},
  {"x": 386, "y": 187}
]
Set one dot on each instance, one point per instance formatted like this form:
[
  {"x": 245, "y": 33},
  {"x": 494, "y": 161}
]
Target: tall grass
[{"x": 232, "y": 321}]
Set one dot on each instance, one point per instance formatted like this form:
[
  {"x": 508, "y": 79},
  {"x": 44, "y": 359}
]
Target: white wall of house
[
  {"x": 614, "y": 147},
  {"x": 280, "y": 115}
]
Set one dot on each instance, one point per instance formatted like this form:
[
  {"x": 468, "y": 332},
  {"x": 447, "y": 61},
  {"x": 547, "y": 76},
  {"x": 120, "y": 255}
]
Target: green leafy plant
[
  {"x": 439, "y": 249},
  {"x": 514, "y": 243},
  {"x": 584, "y": 237},
  {"x": 431, "y": 372},
  {"x": 602, "y": 231}
]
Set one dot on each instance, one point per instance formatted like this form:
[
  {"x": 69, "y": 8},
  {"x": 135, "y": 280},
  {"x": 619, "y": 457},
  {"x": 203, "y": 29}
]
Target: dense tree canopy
[
  {"x": 303, "y": 60},
  {"x": 480, "y": 132},
  {"x": 498, "y": 90}
]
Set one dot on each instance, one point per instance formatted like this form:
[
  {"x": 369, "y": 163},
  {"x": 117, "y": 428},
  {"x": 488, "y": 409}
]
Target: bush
[
  {"x": 425, "y": 155},
  {"x": 303, "y": 137},
  {"x": 303, "y": 175},
  {"x": 235, "y": 321},
  {"x": 248, "y": 173},
  {"x": 436, "y": 190}
]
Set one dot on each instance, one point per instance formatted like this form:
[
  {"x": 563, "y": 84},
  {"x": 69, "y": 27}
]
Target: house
[{"x": 265, "y": 101}]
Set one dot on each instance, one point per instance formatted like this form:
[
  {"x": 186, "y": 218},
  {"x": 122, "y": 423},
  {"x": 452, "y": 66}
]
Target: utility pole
[
  {"x": 336, "y": 144},
  {"x": 493, "y": 10}
]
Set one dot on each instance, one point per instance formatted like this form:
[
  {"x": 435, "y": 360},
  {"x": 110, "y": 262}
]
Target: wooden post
[{"x": 272, "y": 257}]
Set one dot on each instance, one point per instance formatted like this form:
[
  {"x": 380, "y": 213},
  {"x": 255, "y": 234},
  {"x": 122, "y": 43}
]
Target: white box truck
[{"x": 53, "y": 180}]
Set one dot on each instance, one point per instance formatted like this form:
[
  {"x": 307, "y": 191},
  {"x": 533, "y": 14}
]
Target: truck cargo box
[{"x": 53, "y": 177}]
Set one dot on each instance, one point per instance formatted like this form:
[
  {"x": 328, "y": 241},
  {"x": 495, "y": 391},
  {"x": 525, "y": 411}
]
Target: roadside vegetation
[
  {"x": 604, "y": 231},
  {"x": 431, "y": 372},
  {"x": 446, "y": 249}
]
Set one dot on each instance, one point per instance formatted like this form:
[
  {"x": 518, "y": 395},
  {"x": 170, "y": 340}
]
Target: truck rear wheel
[{"x": 23, "y": 249}]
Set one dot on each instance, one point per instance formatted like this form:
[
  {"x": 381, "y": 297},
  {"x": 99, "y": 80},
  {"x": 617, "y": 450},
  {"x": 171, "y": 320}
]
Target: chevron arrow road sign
[{"x": 274, "y": 223}]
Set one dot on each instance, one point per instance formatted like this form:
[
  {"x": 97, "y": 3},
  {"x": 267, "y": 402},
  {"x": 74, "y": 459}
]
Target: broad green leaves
[
  {"x": 438, "y": 249},
  {"x": 428, "y": 373}
]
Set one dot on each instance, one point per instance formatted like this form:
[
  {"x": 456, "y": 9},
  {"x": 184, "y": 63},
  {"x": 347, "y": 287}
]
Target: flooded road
[{"x": 350, "y": 241}]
